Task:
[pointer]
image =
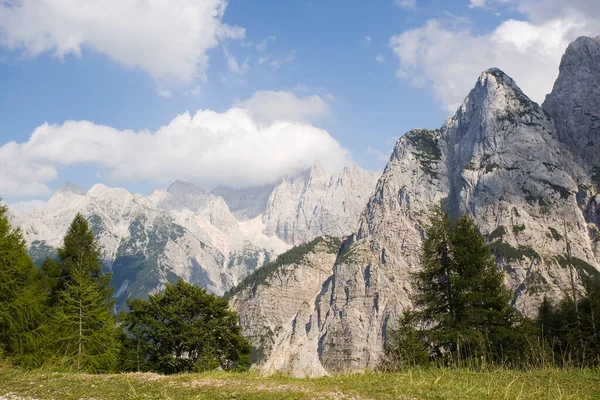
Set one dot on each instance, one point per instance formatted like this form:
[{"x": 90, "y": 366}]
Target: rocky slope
[
  {"x": 517, "y": 168},
  {"x": 186, "y": 231}
]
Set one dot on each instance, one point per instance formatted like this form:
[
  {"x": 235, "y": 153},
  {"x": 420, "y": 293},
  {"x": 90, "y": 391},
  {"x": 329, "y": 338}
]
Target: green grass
[{"x": 413, "y": 384}]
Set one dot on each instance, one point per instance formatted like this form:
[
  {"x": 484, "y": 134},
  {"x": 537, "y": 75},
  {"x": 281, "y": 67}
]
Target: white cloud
[
  {"x": 406, "y": 4},
  {"x": 262, "y": 45},
  {"x": 233, "y": 64},
  {"x": 477, "y": 3},
  {"x": 276, "y": 63},
  {"x": 164, "y": 92},
  {"x": 168, "y": 39},
  {"x": 449, "y": 57},
  {"x": 380, "y": 58},
  {"x": 26, "y": 206},
  {"x": 268, "y": 106},
  {"x": 255, "y": 142}
]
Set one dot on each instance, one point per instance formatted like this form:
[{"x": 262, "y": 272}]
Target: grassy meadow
[{"x": 431, "y": 383}]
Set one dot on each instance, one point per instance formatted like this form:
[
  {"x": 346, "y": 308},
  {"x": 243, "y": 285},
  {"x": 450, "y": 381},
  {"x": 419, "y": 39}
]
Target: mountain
[
  {"x": 318, "y": 203},
  {"x": 246, "y": 203},
  {"x": 184, "y": 231},
  {"x": 517, "y": 168}
]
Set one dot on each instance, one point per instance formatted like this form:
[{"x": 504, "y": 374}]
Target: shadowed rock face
[
  {"x": 517, "y": 168},
  {"x": 574, "y": 103}
]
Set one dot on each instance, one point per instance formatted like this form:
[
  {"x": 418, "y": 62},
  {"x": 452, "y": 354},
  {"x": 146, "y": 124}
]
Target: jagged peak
[
  {"x": 583, "y": 48},
  {"x": 187, "y": 187},
  {"x": 493, "y": 90},
  {"x": 494, "y": 79},
  {"x": 100, "y": 190},
  {"x": 317, "y": 168},
  {"x": 585, "y": 40},
  {"x": 69, "y": 187}
]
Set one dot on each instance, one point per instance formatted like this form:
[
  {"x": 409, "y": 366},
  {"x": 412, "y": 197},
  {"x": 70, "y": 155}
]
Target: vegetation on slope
[{"x": 293, "y": 256}]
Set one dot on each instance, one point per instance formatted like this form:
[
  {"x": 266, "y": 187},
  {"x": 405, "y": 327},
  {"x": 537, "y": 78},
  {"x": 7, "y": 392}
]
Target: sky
[{"x": 138, "y": 93}]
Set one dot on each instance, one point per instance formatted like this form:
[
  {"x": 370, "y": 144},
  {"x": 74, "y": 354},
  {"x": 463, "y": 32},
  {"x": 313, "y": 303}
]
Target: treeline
[
  {"x": 463, "y": 317},
  {"x": 61, "y": 315}
]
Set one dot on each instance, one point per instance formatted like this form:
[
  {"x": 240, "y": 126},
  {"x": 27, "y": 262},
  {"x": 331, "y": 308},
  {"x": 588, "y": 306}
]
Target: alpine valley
[{"x": 528, "y": 174}]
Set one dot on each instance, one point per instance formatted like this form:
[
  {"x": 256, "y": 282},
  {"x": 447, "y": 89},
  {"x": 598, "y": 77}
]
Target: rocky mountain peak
[
  {"x": 574, "y": 103},
  {"x": 183, "y": 187},
  {"x": 69, "y": 187},
  {"x": 189, "y": 195}
]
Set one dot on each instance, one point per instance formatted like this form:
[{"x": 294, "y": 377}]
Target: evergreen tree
[
  {"x": 485, "y": 321},
  {"x": 184, "y": 329},
  {"x": 22, "y": 297},
  {"x": 572, "y": 341},
  {"x": 435, "y": 292},
  {"x": 83, "y": 329},
  {"x": 464, "y": 312}
]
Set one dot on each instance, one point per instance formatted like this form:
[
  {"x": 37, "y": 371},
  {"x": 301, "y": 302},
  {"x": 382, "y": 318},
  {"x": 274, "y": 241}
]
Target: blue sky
[{"x": 281, "y": 83}]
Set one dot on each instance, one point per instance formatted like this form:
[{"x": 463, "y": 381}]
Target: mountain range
[
  {"x": 212, "y": 239},
  {"x": 528, "y": 174}
]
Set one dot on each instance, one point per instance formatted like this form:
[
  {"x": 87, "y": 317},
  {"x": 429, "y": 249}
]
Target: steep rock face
[
  {"x": 574, "y": 103},
  {"x": 247, "y": 203},
  {"x": 187, "y": 196},
  {"x": 318, "y": 203},
  {"x": 276, "y": 312},
  {"x": 500, "y": 159}
]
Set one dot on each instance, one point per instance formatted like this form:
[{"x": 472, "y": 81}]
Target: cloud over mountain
[
  {"x": 255, "y": 142},
  {"x": 445, "y": 54}
]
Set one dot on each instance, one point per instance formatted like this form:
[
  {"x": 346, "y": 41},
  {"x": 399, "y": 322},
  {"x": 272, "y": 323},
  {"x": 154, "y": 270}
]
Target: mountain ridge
[{"x": 184, "y": 231}]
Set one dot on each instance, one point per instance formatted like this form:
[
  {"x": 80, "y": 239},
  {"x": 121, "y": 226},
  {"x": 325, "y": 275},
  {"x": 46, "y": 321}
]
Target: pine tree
[
  {"x": 435, "y": 293},
  {"x": 82, "y": 326},
  {"x": 486, "y": 322},
  {"x": 22, "y": 297},
  {"x": 462, "y": 304},
  {"x": 184, "y": 329}
]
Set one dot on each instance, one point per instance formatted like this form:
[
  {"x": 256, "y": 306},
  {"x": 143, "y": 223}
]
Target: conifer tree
[
  {"x": 22, "y": 297},
  {"x": 82, "y": 326},
  {"x": 463, "y": 308}
]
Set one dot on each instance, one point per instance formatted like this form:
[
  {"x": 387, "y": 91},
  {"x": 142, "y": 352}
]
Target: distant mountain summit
[
  {"x": 529, "y": 175},
  {"x": 188, "y": 232}
]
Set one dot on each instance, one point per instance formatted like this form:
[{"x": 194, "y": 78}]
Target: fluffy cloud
[
  {"x": 248, "y": 144},
  {"x": 167, "y": 38},
  {"x": 448, "y": 57},
  {"x": 267, "y": 106},
  {"x": 26, "y": 206}
]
